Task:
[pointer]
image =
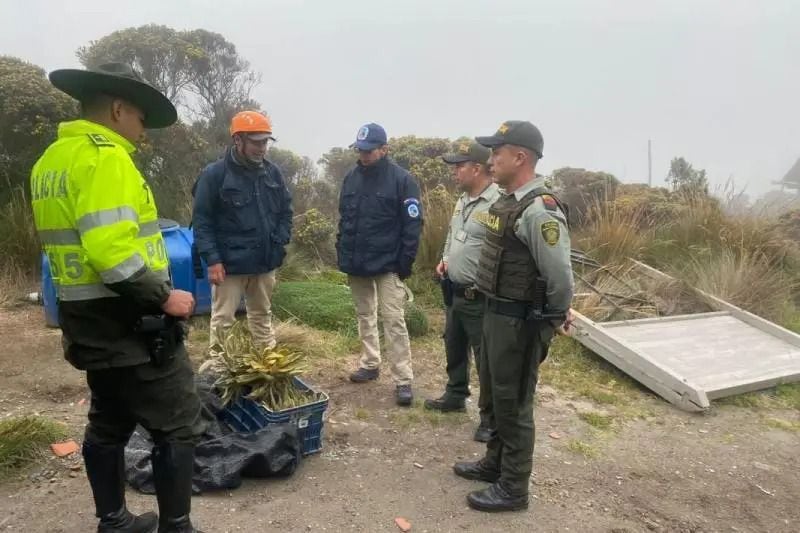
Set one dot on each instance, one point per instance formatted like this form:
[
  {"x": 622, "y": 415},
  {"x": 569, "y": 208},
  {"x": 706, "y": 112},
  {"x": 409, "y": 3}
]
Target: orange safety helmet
[{"x": 251, "y": 122}]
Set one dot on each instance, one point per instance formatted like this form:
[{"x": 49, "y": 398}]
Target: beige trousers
[
  {"x": 257, "y": 291},
  {"x": 386, "y": 292}
]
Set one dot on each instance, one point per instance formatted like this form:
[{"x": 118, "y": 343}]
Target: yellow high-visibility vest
[{"x": 94, "y": 213}]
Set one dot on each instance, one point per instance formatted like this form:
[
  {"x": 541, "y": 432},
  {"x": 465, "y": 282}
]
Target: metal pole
[{"x": 649, "y": 164}]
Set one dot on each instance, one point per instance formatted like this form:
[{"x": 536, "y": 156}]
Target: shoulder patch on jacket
[
  {"x": 549, "y": 202},
  {"x": 550, "y": 232},
  {"x": 412, "y": 207},
  {"x": 99, "y": 139}
]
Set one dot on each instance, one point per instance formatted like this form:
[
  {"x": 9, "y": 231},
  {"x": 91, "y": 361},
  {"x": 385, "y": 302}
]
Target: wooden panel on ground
[{"x": 690, "y": 359}]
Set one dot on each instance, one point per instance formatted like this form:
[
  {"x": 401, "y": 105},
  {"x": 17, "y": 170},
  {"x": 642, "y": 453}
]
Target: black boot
[
  {"x": 105, "y": 468},
  {"x": 496, "y": 498},
  {"x": 445, "y": 404},
  {"x": 482, "y": 433},
  {"x": 478, "y": 471},
  {"x": 173, "y": 466}
]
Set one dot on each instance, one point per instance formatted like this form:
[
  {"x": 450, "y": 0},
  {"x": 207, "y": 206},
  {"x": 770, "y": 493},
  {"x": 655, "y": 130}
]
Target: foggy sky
[{"x": 717, "y": 82}]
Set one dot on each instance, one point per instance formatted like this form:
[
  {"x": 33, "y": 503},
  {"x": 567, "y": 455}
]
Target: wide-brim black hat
[{"x": 120, "y": 80}]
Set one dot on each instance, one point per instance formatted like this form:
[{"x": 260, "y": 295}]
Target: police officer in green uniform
[
  {"x": 458, "y": 270},
  {"x": 97, "y": 221},
  {"x": 525, "y": 273}
]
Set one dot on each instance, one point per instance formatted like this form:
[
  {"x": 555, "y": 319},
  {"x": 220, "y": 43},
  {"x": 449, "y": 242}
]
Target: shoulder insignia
[
  {"x": 550, "y": 232},
  {"x": 549, "y": 202},
  {"x": 99, "y": 139},
  {"x": 412, "y": 207}
]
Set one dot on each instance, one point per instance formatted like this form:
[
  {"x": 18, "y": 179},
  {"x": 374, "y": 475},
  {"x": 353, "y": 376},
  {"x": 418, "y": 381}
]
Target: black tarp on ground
[{"x": 223, "y": 457}]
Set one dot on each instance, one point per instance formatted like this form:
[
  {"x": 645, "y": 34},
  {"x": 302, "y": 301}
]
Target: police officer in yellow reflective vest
[
  {"x": 525, "y": 272},
  {"x": 97, "y": 221}
]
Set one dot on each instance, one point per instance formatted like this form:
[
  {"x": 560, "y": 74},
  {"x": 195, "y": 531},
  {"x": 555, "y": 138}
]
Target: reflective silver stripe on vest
[
  {"x": 93, "y": 291},
  {"x": 106, "y": 217},
  {"x": 124, "y": 270},
  {"x": 59, "y": 236},
  {"x": 148, "y": 229}
]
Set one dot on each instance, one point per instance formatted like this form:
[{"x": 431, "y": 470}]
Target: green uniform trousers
[
  {"x": 513, "y": 349},
  {"x": 163, "y": 400},
  {"x": 463, "y": 330}
]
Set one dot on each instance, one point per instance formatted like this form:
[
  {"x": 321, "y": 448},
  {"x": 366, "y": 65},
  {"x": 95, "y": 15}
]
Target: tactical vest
[{"x": 506, "y": 268}]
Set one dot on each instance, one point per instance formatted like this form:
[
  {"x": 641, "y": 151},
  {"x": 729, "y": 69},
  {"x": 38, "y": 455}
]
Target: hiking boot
[
  {"x": 496, "y": 498},
  {"x": 477, "y": 471},
  {"x": 404, "y": 395},
  {"x": 362, "y": 375},
  {"x": 445, "y": 404},
  {"x": 482, "y": 434}
]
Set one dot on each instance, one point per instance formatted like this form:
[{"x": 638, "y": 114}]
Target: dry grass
[
  {"x": 746, "y": 278},
  {"x": 437, "y": 206},
  {"x": 614, "y": 234},
  {"x": 622, "y": 293},
  {"x": 417, "y": 414},
  {"x": 597, "y": 420},
  {"x": 23, "y": 440},
  {"x": 583, "y": 448},
  {"x": 15, "y": 283},
  {"x": 784, "y": 396},
  {"x": 785, "y": 425},
  {"x": 575, "y": 370},
  {"x": 19, "y": 245}
]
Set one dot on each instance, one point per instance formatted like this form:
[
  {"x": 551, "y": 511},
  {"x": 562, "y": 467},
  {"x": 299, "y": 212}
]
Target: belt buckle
[{"x": 469, "y": 293}]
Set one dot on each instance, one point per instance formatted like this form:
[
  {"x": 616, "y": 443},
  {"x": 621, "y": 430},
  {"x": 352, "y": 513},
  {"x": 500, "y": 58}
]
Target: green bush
[{"x": 330, "y": 307}]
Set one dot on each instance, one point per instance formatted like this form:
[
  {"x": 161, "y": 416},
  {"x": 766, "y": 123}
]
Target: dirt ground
[{"x": 670, "y": 471}]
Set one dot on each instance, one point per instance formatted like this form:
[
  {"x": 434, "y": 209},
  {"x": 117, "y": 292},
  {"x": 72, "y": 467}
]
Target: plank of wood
[
  {"x": 658, "y": 378},
  {"x": 752, "y": 385},
  {"x": 745, "y": 316},
  {"x": 712, "y": 348},
  {"x": 690, "y": 358},
  {"x": 662, "y": 319}
]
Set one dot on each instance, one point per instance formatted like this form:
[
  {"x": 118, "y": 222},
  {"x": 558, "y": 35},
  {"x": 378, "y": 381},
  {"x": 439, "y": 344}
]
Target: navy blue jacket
[
  {"x": 380, "y": 220},
  {"x": 242, "y": 216}
]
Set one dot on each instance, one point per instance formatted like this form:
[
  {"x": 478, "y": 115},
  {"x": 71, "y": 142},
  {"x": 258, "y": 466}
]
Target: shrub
[
  {"x": 581, "y": 189},
  {"x": 313, "y": 233}
]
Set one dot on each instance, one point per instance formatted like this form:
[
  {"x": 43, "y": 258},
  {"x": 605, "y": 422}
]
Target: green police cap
[
  {"x": 517, "y": 132},
  {"x": 468, "y": 151}
]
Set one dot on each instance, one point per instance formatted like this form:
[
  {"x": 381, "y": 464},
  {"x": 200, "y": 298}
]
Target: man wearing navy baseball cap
[
  {"x": 370, "y": 137},
  {"x": 379, "y": 228}
]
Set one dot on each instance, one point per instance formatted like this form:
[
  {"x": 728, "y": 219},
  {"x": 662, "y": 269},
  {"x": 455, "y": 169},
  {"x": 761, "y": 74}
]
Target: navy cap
[{"x": 369, "y": 137}]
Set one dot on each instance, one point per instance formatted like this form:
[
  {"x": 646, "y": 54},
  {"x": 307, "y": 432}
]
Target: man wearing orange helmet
[{"x": 242, "y": 223}]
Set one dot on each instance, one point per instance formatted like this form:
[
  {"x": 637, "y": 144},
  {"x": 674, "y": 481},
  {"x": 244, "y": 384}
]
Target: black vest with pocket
[{"x": 506, "y": 268}]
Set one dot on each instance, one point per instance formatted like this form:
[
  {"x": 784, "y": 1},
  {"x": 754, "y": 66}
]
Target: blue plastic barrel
[{"x": 179, "y": 241}]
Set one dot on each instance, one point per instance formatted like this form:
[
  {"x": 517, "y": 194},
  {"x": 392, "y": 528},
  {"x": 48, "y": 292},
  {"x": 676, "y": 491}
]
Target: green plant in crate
[{"x": 263, "y": 375}]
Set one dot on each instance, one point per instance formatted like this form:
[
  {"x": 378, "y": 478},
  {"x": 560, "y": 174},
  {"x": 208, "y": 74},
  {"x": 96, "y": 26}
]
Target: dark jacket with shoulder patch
[{"x": 380, "y": 220}]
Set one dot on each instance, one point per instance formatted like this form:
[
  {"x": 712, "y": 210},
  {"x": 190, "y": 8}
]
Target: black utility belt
[
  {"x": 512, "y": 309},
  {"x": 522, "y": 310},
  {"x": 468, "y": 292}
]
